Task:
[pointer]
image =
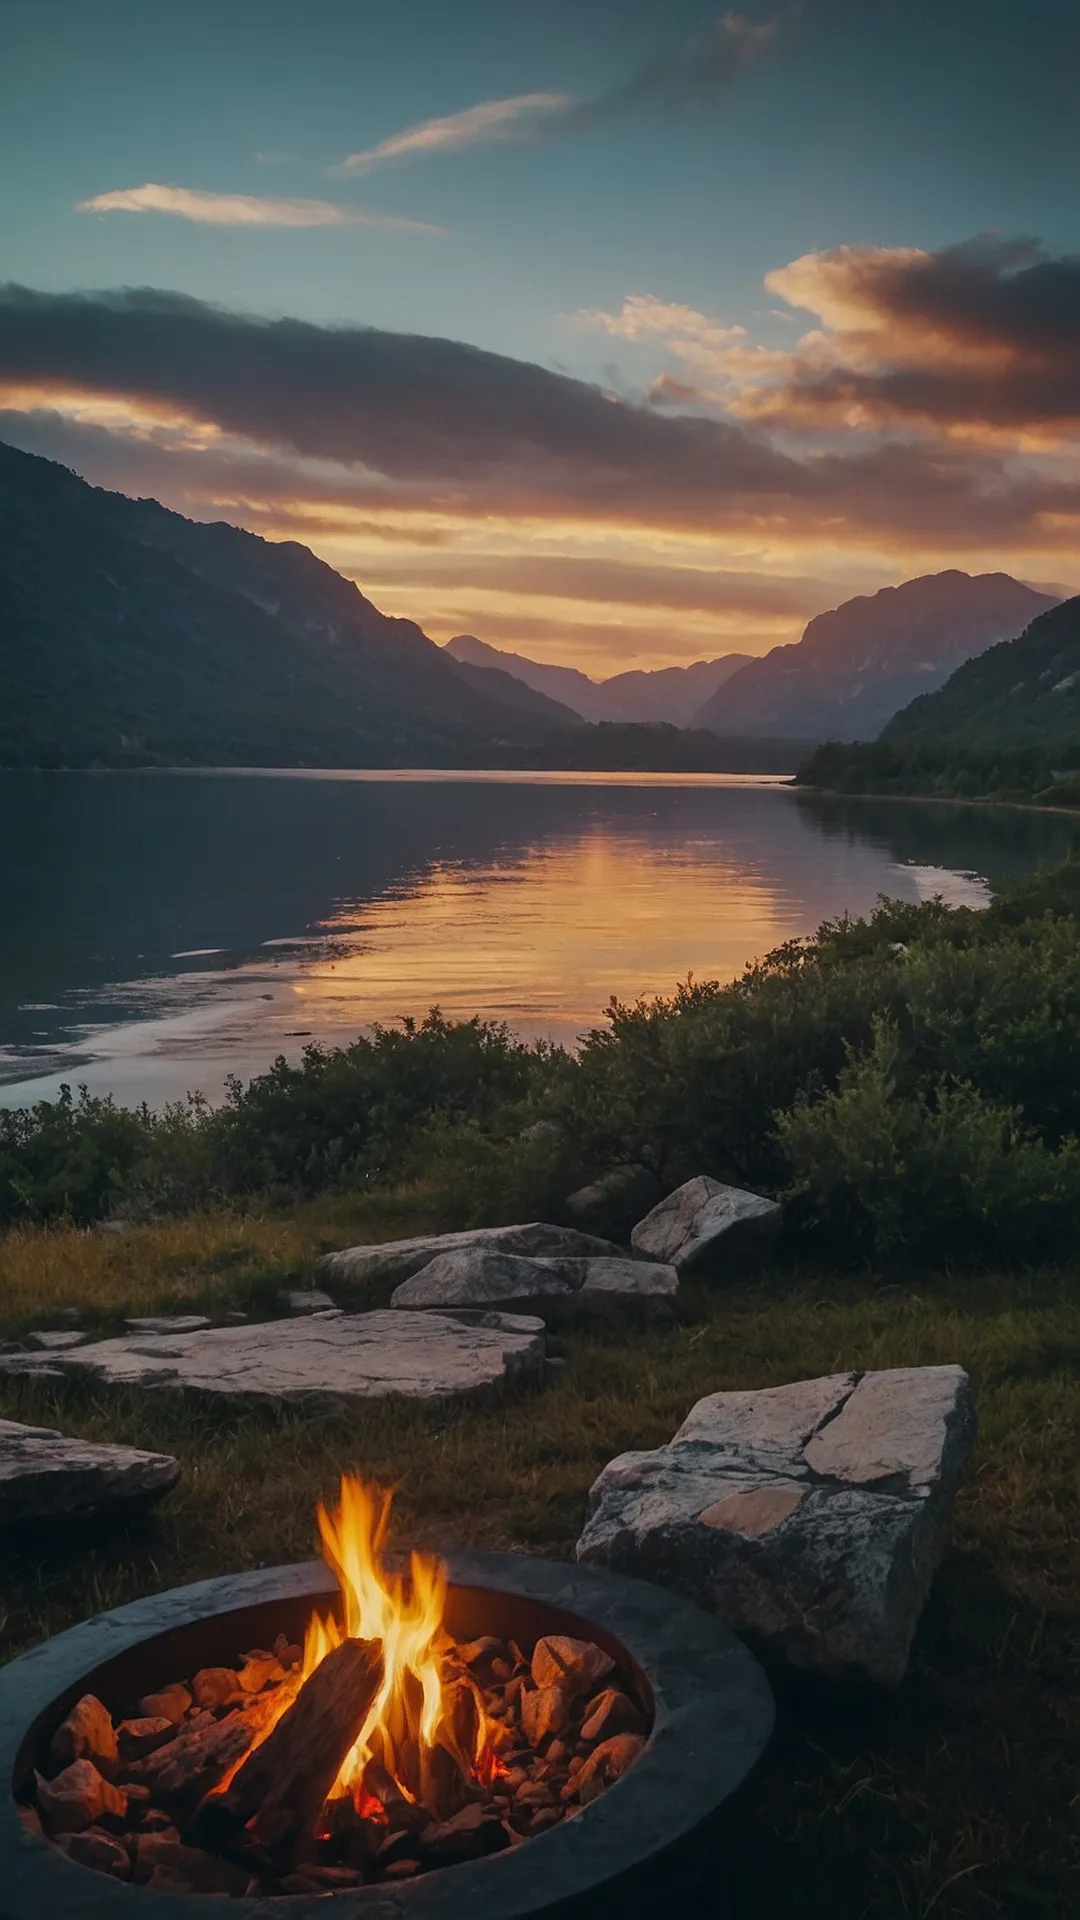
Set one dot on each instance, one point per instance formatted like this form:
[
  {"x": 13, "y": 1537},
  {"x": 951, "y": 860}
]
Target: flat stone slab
[
  {"x": 45, "y": 1474},
  {"x": 56, "y": 1339},
  {"x": 554, "y": 1289},
  {"x": 168, "y": 1323},
  {"x": 707, "y": 1228},
  {"x": 399, "y": 1259},
  {"x": 810, "y": 1517},
  {"x": 332, "y": 1358}
]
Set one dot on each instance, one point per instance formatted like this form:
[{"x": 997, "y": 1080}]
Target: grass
[{"x": 955, "y": 1798}]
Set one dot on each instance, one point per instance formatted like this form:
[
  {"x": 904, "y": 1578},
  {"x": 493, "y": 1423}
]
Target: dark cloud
[
  {"x": 987, "y": 332},
  {"x": 689, "y": 79},
  {"x": 364, "y": 419}
]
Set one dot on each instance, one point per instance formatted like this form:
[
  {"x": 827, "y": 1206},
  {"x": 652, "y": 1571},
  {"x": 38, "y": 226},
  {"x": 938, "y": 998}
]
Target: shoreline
[{"x": 940, "y": 800}]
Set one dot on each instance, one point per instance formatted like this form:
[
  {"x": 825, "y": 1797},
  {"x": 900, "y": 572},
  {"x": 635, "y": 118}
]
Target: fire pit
[{"x": 497, "y": 1735}]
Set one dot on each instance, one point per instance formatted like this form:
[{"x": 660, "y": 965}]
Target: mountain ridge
[
  {"x": 1023, "y": 692},
  {"x": 859, "y": 663},
  {"x": 663, "y": 695}
]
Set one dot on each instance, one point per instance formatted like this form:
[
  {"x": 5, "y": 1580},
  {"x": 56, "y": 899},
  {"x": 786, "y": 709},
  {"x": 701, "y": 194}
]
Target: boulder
[
  {"x": 557, "y": 1290},
  {"x": 317, "y": 1359},
  {"x": 707, "y": 1228},
  {"x": 43, "y": 1473},
  {"x": 399, "y": 1259},
  {"x": 614, "y": 1202},
  {"x": 810, "y": 1517},
  {"x": 474, "y": 1277}
]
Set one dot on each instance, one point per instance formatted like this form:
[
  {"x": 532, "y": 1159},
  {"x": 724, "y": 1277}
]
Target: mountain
[
  {"x": 668, "y": 695},
  {"x": 854, "y": 667},
  {"x": 129, "y": 635},
  {"x": 512, "y": 692},
  {"x": 675, "y": 694},
  {"x": 1025, "y": 692}
]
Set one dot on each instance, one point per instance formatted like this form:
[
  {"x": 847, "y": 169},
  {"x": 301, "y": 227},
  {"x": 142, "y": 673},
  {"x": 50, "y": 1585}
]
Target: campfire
[{"x": 380, "y": 1749}]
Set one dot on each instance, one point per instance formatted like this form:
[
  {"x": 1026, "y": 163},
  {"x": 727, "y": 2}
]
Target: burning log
[{"x": 279, "y": 1791}]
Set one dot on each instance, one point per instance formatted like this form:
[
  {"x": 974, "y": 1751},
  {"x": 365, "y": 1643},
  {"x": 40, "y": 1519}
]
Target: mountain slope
[
  {"x": 512, "y": 692},
  {"x": 131, "y": 635},
  {"x": 667, "y": 695},
  {"x": 674, "y": 694},
  {"x": 1025, "y": 692},
  {"x": 855, "y": 666},
  {"x": 565, "y": 684}
]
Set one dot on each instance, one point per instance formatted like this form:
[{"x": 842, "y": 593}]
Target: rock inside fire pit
[
  {"x": 810, "y": 1517},
  {"x": 313, "y": 1360},
  {"x": 236, "y": 1796}
]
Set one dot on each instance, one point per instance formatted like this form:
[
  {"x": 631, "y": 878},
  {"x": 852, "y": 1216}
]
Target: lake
[{"x": 163, "y": 930}]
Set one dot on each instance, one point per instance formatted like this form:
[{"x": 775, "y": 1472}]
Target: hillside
[
  {"x": 1025, "y": 692},
  {"x": 855, "y": 666},
  {"x": 512, "y": 692},
  {"x": 129, "y": 635},
  {"x": 664, "y": 695}
]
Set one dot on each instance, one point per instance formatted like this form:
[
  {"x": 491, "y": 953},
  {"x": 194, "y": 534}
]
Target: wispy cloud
[
  {"x": 691, "y": 76},
  {"x": 243, "y": 209},
  {"x": 491, "y": 120}
]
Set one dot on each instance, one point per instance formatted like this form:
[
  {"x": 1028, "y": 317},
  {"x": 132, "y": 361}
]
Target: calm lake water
[{"x": 162, "y": 930}]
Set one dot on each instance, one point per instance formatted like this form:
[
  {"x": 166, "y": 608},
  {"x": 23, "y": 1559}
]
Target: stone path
[
  {"x": 810, "y": 1517},
  {"x": 45, "y": 1474},
  {"x": 316, "y": 1359}
]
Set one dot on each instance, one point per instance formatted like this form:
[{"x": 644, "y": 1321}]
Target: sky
[{"x": 618, "y": 335}]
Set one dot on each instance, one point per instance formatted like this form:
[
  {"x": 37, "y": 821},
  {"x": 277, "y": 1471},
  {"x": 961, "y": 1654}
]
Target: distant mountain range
[
  {"x": 670, "y": 695},
  {"x": 854, "y": 667},
  {"x": 1025, "y": 692},
  {"x": 130, "y": 636}
]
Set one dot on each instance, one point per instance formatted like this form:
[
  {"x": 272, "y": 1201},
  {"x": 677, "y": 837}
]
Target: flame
[{"x": 414, "y": 1711}]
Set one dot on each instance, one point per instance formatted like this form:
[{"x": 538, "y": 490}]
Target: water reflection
[{"x": 161, "y": 931}]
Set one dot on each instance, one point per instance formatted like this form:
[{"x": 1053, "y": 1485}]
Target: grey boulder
[
  {"x": 707, "y": 1228},
  {"x": 317, "y": 1359},
  {"x": 399, "y": 1259},
  {"x": 45, "y": 1474},
  {"x": 810, "y": 1517},
  {"x": 613, "y": 1202},
  {"x": 557, "y": 1290}
]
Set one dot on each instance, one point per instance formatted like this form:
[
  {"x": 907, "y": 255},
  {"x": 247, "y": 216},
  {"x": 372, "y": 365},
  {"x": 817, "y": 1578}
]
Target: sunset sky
[{"x": 619, "y": 334}]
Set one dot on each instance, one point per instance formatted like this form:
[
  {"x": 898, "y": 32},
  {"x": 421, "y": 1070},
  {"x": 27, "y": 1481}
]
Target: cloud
[
  {"x": 491, "y": 120},
  {"x": 979, "y": 340},
  {"x": 983, "y": 334},
  {"x": 409, "y": 424},
  {"x": 692, "y": 76},
  {"x": 613, "y": 582},
  {"x": 242, "y": 209}
]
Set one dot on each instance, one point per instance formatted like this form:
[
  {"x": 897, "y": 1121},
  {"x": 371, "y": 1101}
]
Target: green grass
[{"x": 955, "y": 1798}]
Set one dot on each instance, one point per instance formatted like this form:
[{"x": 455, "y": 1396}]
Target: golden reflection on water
[{"x": 537, "y": 943}]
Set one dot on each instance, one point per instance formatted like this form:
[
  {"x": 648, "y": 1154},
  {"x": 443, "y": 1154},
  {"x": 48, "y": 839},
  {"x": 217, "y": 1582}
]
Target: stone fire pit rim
[{"x": 713, "y": 1715}]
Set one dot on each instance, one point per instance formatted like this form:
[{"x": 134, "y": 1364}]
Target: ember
[{"x": 379, "y": 1750}]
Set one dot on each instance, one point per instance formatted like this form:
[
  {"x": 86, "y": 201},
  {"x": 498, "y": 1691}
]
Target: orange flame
[{"x": 413, "y": 1712}]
